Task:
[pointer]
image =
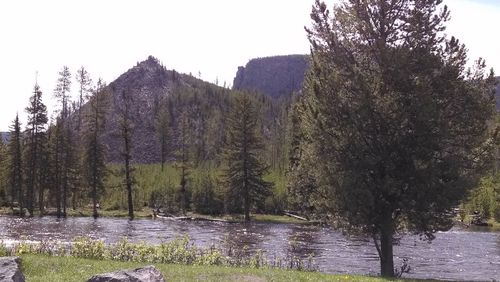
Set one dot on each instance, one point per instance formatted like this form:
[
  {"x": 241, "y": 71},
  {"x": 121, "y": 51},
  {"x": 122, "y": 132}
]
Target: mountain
[
  {"x": 274, "y": 76},
  {"x": 155, "y": 90},
  {"x": 4, "y": 137},
  {"x": 497, "y": 96}
]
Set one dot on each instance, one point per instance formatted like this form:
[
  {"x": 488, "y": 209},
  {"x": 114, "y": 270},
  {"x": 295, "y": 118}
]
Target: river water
[{"x": 454, "y": 255}]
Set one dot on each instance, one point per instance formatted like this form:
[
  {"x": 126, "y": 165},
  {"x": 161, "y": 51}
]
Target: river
[{"x": 454, "y": 255}]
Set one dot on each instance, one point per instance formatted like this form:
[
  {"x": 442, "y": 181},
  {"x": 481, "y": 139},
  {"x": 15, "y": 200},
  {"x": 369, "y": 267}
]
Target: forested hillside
[
  {"x": 107, "y": 144},
  {"x": 276, "y": 76},
  {"x": 163, "y": 96}
]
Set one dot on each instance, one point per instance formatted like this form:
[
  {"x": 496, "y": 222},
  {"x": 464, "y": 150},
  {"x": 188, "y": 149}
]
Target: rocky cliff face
[
  {"x": 147, "y": 83},
  {"x": 150, "y": 85},
  {"x": 275, "y": 76},
  {"x": 5, "y": 137},
  {"x": 154, "y": 90}
]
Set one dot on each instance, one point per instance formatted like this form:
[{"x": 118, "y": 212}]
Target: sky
[{"x": 213, "y": 38}]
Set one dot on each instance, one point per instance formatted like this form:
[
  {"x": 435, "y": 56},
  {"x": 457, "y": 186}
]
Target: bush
[
  {"x": 178, "y": 251},
  {"x": 205, "y": 199},
  {"x": 85, "y": 247}
]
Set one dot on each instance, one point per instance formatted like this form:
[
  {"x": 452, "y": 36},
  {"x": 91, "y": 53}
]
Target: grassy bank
[
  {"x": 147, "y": 213},
  {"x": 39, "y": 268}
]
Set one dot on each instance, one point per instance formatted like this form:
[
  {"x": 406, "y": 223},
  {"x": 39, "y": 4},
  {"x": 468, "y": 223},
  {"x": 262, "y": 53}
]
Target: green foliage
[
  {"x": 245, "y": 168},
  {"x": 94, "y": 150},
  {"x": 277, "y": 201},
  {"x": 86, "y": 247},
  {"x": 177, "y": 251},
  {"x": 35, "y": 141},
  {"x": 15, "y": 164},
  {"x": 484, "y": 198},
  {"x": 3, "y": 250},
  {"x": 206, "y": 199},
  {"x": 4, "y": 177},
  {"x": 399, "y": 127}
]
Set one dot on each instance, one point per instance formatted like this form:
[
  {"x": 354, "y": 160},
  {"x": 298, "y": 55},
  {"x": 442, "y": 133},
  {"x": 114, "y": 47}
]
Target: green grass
[
  {"x": 44, "y": 268},
  {"x": 493, "y": 224},
  {"x": 109, "y": 213}
]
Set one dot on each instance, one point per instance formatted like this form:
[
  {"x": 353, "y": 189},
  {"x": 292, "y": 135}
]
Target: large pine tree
[
  {"x": 94, "y": 152},
  {"x": 398, "y": 122},
  {"x": 35, "y": 142},
  {"x": 16, "y": 166},
  {"x": 183, "y": 158},
  {"x": 245, "y": 171},
  {"x": 126, "y": 128}
]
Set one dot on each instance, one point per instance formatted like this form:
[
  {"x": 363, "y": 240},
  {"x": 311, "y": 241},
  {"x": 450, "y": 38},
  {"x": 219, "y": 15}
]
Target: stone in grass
[
  {"x": 142, "y": 274},
  {"x": 10, "y": 269}
]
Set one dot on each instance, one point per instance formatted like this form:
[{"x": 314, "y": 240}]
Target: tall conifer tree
[
  {"x": 16, "y": 165},
  {"x": 35, "y": 141},
  {"x": 245, "y": 172},
  {"x": 398, "y": 122}
]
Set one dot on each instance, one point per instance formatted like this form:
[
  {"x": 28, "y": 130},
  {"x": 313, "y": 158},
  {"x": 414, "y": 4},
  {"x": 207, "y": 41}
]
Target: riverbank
[
  {"x": 147, "y": 213},
  {"x": 40, "y": 268}
]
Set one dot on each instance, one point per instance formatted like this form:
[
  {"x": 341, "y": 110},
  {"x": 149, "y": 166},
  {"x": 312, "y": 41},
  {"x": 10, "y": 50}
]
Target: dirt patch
[{"x": 246, "y": 278}]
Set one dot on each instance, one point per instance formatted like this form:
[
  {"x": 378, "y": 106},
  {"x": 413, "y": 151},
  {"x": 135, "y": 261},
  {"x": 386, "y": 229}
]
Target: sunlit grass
[{"x": 39, "y": 268}]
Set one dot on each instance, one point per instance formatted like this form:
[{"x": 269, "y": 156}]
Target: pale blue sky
[{"x": 211, "y": 37}]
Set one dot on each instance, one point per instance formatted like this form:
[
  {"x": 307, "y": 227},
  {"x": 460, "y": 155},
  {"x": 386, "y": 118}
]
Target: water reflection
[{"x": 453, "y": 255}]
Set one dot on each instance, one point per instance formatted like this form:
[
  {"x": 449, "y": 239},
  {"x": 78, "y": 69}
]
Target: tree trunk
[
  {"x": 73, "y": 200},
  {"x": 129, "y": 189},
  {"x": 386, "y": 254},
  {"x": 94, "y": 203},
  {"x": 65, "y": 195},
  {"x": 21, "y": 199},
  {"x": 247, "y": 204},
  {"x": 40, "y": 200},
  {"x": 183, "y": 191}
]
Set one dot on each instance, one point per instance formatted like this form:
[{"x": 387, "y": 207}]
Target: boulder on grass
[
  {"x": 10, "y": 269},
  {"x": 142, "y": 274}
]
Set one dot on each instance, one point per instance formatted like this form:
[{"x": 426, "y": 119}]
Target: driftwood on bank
[
  {"x": 295, "y": 216},
  {"x": 191, "y": 218}
]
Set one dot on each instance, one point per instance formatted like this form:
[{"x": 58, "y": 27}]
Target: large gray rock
[
  {"x": 142, "y": 274},
  {"x": 10, "y": 269}
]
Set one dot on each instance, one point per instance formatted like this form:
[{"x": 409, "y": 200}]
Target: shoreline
[{"x": 145, "y": 214}]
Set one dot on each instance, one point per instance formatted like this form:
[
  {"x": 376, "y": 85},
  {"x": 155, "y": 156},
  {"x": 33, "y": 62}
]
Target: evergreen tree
[
  {"x": 183, "y": 158},
  {"x": 56, "y": 163},
  {"x": 164, "y": 133},
  {"x": 94, "y": 156},
  {"x": 16, "y": 166},
  {"x": 302, "y": 186},
  {"x": 37, "y": 121},
  {"x": 62, "y": 91},
  {"x": 66, "y": 142},
  {"x": 397, "y": 122},
  {"x": 126, "y": 128},
  {"x": 245, "y": 171},
  {"x": 4, "y": 193},
  {"x": 85, "y": 87}
]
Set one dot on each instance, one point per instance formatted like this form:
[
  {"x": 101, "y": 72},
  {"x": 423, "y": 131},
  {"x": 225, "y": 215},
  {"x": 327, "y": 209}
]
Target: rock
[
  {"x": 142, "y": 274},
  {"x": 10, "y": 269}
]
